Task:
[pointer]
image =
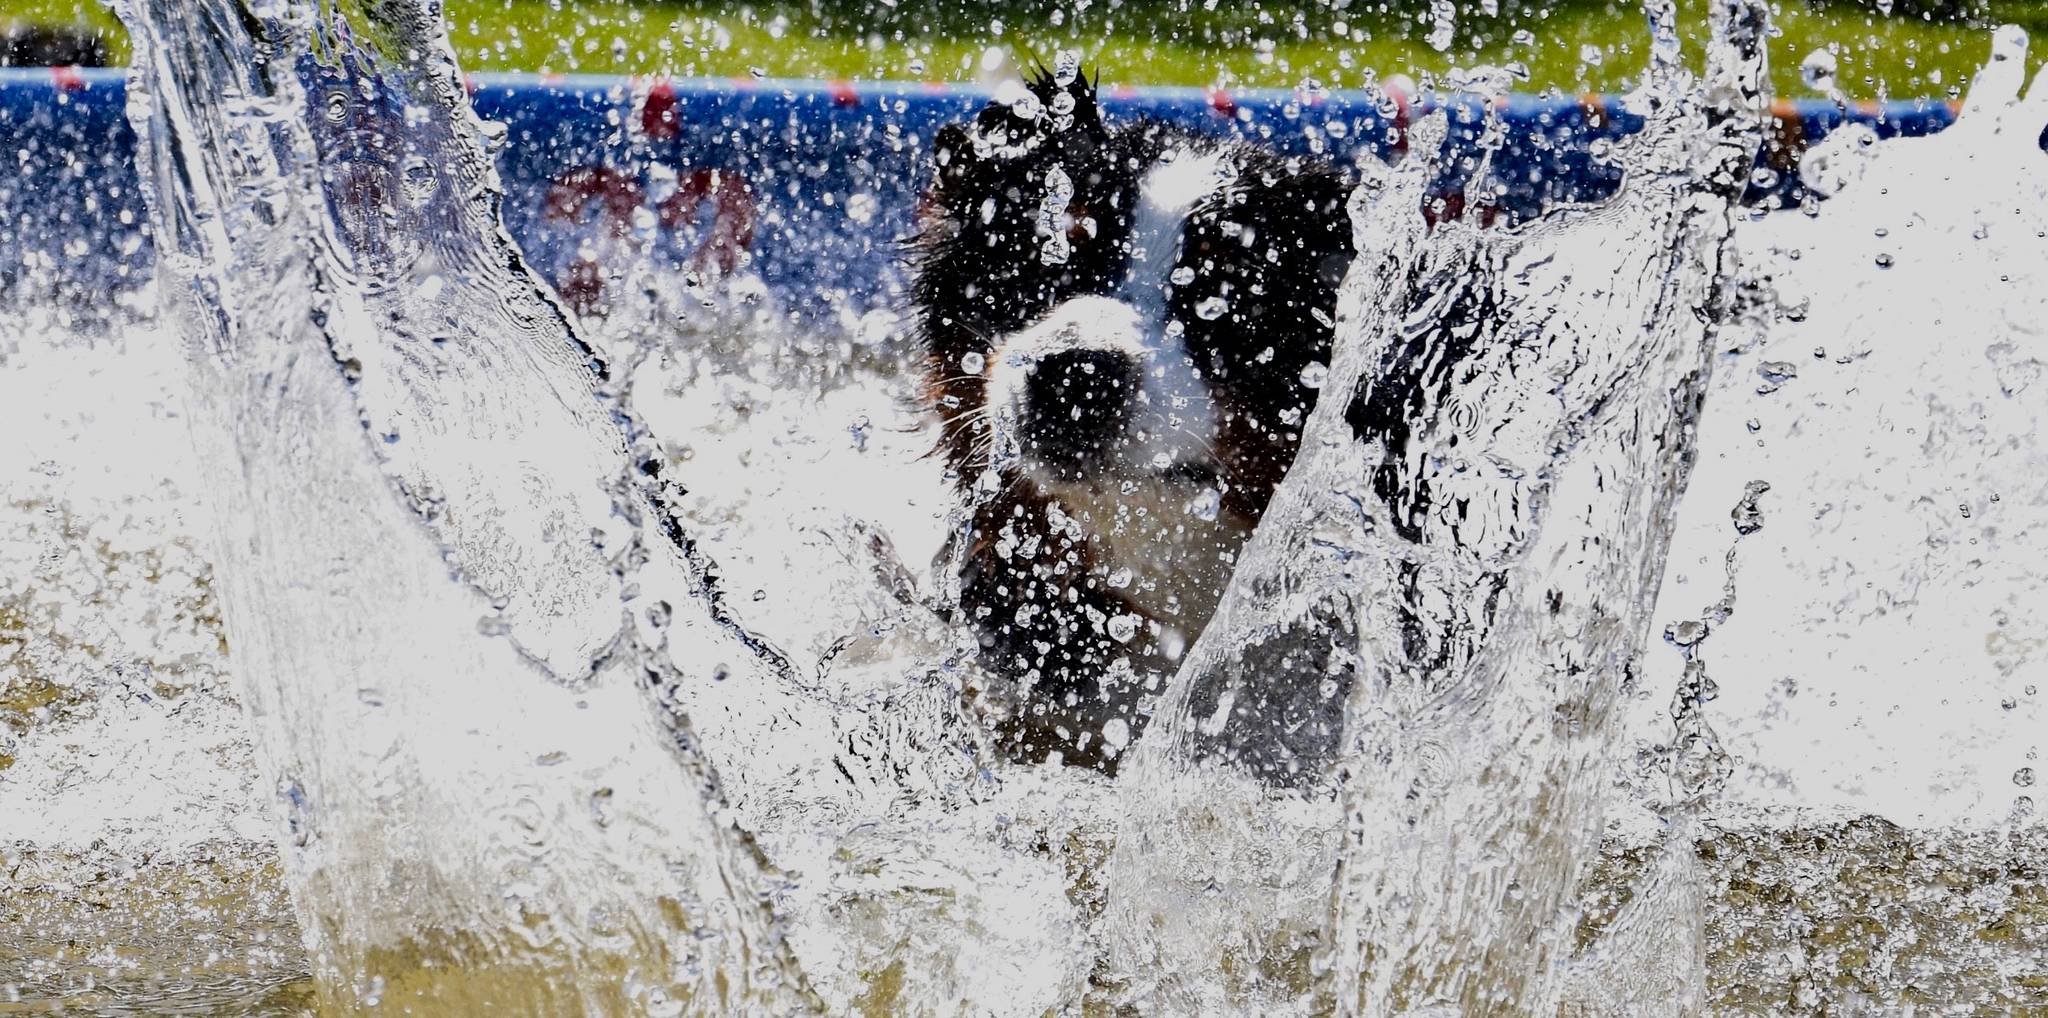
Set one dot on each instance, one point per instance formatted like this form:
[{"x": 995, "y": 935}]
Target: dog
[{"x": 1122, "y": 325}]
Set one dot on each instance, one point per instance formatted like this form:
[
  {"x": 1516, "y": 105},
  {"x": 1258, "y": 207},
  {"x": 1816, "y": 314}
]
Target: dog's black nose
[{"x": 1075, "y": 405}]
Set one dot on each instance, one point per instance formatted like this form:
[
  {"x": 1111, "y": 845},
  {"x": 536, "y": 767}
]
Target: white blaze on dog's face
[{"x": 1101, "y": 390}]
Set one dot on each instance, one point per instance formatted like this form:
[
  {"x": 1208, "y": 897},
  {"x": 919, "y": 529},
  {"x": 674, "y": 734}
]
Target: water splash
[
  {"x": 1450, "y": 592},
  {"x": 527, "y": 685},
  {"x": 1445, "y": 753},
  {"x": 425, "y": 494}
]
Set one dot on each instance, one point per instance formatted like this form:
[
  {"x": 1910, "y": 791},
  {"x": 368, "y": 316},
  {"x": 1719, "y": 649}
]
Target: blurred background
[{"x": 1861, "y": 49}]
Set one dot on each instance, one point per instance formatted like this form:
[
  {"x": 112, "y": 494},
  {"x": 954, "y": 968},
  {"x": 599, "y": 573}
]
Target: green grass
[{"x": 1572, "y": 45}]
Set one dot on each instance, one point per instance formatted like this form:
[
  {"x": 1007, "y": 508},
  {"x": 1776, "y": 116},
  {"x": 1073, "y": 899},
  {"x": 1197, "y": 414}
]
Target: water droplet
[
  {"x": 1211, "y": 308},
  {"x": 1120, "y": 579},
  {"x": 1747, "y": 514},
  {"x": 1024, "y": 105},
  {"x": 1206, "y": 505},
  {"x": 1443, "y": 24},
  {"x": 1054, "y": 245},
  {"x": 1123, "y": 627},
  {"x": 1183, "y": 276},
  {"x": 1066, "y": 67},
  {"x": 1884, "y": 261},
  {"x": 1775, "y": 374},
  {"x": 972, "y": 363},
  {"x": 1116, "y": 733},
  {"x": 1817, "y": 71},
  {"x": 1687, "y": 633},
  {"x": 1314, "y": 374},
  {"x": 861, "y": 208},
  {"x": 2024, "y": 777}
]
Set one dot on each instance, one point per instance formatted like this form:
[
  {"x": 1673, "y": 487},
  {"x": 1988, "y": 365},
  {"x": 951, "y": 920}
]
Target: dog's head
[{"x": 1104, "y": 307}]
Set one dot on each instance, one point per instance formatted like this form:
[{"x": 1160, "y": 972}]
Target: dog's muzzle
[
  {"x": 1094, "y": 388},
  {"x": 1076, "y": 408}
]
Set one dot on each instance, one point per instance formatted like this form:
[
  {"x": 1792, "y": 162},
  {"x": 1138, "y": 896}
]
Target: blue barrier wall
[{"x": 809, "y": 184}]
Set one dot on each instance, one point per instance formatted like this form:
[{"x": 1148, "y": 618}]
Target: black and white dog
[{"x": 1122, "y": 324}]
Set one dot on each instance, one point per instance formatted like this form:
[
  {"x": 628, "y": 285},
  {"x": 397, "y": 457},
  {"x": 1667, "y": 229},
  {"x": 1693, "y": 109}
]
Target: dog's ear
[
  {"x": 1024, "y": 117},
  {"x": 1084, "y": 115},
  {"x": 1024, "y": 123}
]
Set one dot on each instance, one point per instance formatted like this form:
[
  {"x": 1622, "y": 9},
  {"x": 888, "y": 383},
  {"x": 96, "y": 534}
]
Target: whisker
[
  {"x": 965, "y": 415},
  {"x": 974, "y": 329}
]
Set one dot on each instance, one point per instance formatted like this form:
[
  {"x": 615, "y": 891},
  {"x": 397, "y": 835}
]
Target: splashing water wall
[
  {"x": 525, "y": 755},
  {"x": 357, "y": 322},
  {"x": 1466, "y": 550}
]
